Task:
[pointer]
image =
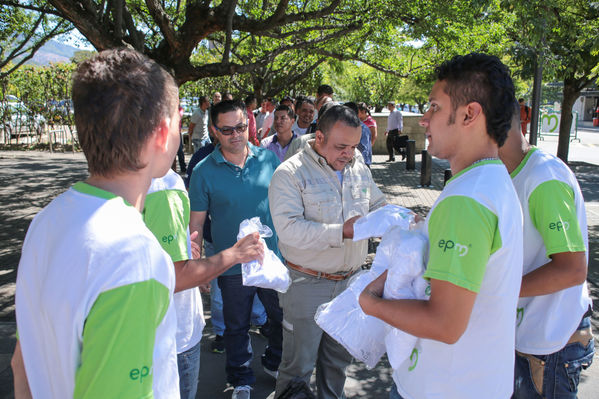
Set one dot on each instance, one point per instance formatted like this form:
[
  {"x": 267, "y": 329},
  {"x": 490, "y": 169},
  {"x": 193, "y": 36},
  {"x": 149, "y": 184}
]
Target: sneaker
[
  {"x": 241, "y": 392},
  {"x": 218, "y": 345},
  {"x": 273, "y": 374}
]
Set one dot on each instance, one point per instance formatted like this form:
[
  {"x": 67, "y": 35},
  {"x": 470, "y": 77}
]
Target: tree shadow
[{"x": 29, "y": 182}]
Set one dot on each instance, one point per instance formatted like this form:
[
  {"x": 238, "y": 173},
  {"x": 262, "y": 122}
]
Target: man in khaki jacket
[{"x": 315, "y": 198}]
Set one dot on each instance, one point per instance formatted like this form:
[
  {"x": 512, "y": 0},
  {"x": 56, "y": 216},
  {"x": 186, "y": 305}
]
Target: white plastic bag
[
  {"x": 407, "y": 253},
  {"x": 343, "y": 319},
  {"x": 378, "y": 222},
  {"x": 272, "y": 273}
]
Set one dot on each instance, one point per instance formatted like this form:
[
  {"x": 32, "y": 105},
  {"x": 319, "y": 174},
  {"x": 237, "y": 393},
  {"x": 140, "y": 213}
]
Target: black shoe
[
  {"x": 391, "y": 160},
  {"x": 218, "y": 345},
  {"x": 403, "y": 156}
]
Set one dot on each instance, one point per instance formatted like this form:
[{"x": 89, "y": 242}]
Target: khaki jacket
[{"x": 308, "y": 207}]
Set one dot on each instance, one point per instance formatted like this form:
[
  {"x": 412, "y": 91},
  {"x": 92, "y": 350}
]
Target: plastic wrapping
[
  {"x": 343, "y": 319},
  {"x": 378, "y": 222},
  {"x": 407, "y": 251},
  {"x": 271, "y": 273}
]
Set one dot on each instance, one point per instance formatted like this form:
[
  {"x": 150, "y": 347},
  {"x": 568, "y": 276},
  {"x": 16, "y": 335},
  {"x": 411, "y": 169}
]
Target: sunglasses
[{"x": 227, "y": 130}]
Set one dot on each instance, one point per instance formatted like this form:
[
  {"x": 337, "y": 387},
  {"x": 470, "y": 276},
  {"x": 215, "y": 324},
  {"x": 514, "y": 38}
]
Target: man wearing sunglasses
[{"x": 231, "y": 184}]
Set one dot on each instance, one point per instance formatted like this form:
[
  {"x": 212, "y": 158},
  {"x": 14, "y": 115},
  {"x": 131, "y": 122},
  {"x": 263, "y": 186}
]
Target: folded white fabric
[
  {"x": 378, "y": 222},
  {"x": 343, "y": 319},
  {"x": 407, "y": 251},
  {"x": 271, "y": 273}
]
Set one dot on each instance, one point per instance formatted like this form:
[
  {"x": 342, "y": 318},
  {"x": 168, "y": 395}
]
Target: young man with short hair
[
  {"x": 467, "y": 327},
  {"x": 554, "y": 341},
  {"x": 94, "y": 288},
  {"x": 279, "y": 142}
]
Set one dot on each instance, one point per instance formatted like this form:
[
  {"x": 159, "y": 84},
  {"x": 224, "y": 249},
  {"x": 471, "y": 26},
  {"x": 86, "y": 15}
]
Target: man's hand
[
  {"x": 348, "y": 227},
  {"x": 196, "y": 249},
  {"x": 374, "y": 290},
  {"x": 249, "y": 248}
]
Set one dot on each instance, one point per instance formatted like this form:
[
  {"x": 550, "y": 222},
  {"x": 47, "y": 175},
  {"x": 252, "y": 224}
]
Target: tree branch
[{"x": 163, "y": 21}]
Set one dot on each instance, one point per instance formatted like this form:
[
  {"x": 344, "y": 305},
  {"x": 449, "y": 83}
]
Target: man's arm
[
  {"x": 565, "y": 270},
  {"x": 21, "y": 385},
  {"x": 444, "y": 317},
  {"x": 196, "y": 225},
  {"x": 194, "y": 272},
  {"x": 190, "y": 129},
  {"x": 551, "y": 206}
]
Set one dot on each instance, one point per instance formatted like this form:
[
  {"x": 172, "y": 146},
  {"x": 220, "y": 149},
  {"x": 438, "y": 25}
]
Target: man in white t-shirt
[
  {"x": 198, "y": 125},
  {"x": 553, "y": 335},
  {"x": 305, "y": 115},
  {"x": 94, "y": 288},
  {"x": 466, "y": 329},
  {"x": 89, "y": 264}
]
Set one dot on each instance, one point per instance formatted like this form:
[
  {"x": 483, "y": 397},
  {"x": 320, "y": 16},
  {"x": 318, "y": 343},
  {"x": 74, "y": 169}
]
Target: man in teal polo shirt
[{"x": 232, "y": 185}]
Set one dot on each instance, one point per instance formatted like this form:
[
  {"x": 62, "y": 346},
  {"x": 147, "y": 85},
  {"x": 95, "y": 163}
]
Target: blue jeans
[
  {"x": 188, "y": 363},
  {"x": 561, "y": 374},
  {"x": 393, "y": 394},
  {"x": 216, "y": 303},
  {"x": 237, "y": 306}
]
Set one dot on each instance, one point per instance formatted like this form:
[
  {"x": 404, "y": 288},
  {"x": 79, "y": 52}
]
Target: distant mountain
[{"x": 53, "y": 51}]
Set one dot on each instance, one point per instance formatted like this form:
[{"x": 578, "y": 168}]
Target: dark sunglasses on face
[{"x": 227, "y": 130}]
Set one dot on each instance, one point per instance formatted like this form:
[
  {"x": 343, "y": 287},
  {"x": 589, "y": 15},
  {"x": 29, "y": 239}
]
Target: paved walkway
[{"x": 29, "y": 180}]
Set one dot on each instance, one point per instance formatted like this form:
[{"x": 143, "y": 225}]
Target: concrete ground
[{"x": 29, "y": 180}]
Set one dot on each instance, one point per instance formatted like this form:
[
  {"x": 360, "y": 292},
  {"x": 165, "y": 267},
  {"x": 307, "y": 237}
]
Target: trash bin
[{"x": 595, "y": 121}]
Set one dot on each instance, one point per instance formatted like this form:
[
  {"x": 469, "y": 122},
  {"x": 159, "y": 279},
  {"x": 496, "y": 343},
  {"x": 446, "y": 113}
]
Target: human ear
[{"x": 472, "y": 112}]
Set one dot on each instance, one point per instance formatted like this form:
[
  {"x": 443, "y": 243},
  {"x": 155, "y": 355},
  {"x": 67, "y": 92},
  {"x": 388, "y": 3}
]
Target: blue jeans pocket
[{"x": 574, "y": 367}]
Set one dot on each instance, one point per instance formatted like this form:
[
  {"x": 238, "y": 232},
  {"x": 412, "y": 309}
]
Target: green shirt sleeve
[
  {"x": 118, "y": 342},
  {"x": 553, "y": 213},
  {"x": 463, "y": 234},
  {"x": 166, "y": 214}
]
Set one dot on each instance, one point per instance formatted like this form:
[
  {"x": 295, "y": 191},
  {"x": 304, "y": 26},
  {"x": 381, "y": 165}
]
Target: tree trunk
[{"x": 570, "y": 94}]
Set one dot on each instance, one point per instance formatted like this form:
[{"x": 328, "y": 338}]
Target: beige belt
[{"x": 328, "y": 276}]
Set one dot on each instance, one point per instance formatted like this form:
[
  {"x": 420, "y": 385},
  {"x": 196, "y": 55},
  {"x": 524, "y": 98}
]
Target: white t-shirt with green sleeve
[
  {"x": 94, "y": 301},
  {"x": 166, "y": 213},
  {"x": 475, "y": 236},
  {"x": 554, "y": 222}
]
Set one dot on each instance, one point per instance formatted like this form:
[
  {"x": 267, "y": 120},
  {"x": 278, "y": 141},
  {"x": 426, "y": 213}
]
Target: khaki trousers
[{"x": 305, "y": 345}]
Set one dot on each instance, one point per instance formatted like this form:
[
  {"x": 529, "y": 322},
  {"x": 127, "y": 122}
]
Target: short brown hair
[{"x": 120, "y": 97}]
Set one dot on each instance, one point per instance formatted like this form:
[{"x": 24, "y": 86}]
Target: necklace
[{"x": 485, "y": 159}]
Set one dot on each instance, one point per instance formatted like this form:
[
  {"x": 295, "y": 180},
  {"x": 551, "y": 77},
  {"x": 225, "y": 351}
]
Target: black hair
[
  {"x": 352, "y": 105},
  {"x": 484, "y": 79},
  {"x": 324, "y": 89},
  {"x": 287, "y": 109},
  {"x": 302, "y": 100},
  {"x": 337, "y": 113},
  {"x": 226, "y": 106}
]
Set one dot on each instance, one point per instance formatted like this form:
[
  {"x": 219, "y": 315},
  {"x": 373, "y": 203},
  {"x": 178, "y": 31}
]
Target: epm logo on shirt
[
  {"x": 449, "y": 245},
  {"x": 559, "y": 226},
  {"x": 169, "y": 238}
]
